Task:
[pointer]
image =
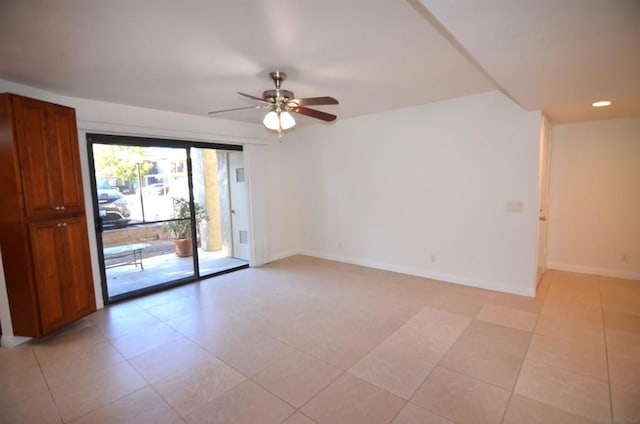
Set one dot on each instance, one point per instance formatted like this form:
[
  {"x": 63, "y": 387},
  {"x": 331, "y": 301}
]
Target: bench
[{"x": 134, "y": 250}]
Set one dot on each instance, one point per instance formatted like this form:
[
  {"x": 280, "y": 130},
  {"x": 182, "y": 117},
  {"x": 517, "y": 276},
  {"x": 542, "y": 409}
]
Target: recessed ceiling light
[{"x": 601, "y": 103}]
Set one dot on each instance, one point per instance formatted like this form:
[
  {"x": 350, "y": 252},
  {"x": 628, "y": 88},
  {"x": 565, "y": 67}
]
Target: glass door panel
[
  {"x": 213, "y": 191},
  {"x": 144, "y": 212}
]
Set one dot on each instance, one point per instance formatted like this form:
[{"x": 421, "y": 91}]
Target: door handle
[{"x": 543, "y": 218}]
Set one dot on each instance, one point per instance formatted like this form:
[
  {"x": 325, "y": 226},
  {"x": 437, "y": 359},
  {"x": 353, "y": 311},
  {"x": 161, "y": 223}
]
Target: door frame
[
  {"x": 543, "y": 197},
  {"x": 99, "y": 138}
]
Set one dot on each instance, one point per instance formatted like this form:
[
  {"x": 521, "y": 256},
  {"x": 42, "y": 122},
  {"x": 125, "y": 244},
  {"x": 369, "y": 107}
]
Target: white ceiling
[{"x": 191, "y": 56}]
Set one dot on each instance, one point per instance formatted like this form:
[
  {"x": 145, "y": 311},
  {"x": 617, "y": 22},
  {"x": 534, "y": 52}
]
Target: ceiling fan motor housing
[{"x": 278, "y": 95}]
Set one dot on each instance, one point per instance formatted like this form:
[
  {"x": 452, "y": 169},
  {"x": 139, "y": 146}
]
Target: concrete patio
[{"x": 161, "y": 267}]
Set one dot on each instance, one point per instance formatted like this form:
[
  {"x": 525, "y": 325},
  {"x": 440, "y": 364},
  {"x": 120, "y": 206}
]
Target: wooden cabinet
[
  {"x": 43, "y": 234},
  {"x": 47, "y": 141},
  {"x": 63, "y": 294}
]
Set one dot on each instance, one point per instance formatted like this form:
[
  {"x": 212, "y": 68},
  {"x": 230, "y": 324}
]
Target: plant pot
[{"x": 184, "y": 247}]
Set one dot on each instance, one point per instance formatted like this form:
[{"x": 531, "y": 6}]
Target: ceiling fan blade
[
  {"x": 311, "y": 101},
  {"x": 236, "y": 108},
  {"x": 312, "y": 113},
  {"x": 260, "y": 99}
]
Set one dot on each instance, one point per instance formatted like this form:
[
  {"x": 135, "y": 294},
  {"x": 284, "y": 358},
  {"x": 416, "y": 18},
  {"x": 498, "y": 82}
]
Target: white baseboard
[
  {"x": 282, "y": 255},
  {"x": 605, "y": 272},
  {"x": 449, "y": 278},
  {"x": 12, "y": 341}
]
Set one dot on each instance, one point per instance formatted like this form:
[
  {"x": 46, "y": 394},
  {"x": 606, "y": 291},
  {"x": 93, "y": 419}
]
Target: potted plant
[{"x": 180, "y": 227}]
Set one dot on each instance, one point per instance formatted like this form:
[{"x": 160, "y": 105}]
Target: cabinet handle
[
  {"x": 57, "y": 208},
  {"x": 64, "y": 224},
  {"x": 59, "y": 224},
  {"x": 61, "y": 208}
]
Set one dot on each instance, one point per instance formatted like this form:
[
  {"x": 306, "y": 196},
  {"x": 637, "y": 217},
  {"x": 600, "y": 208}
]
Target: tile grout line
[
  {"x": 580, "y": 373},
  {"x": 49, "y": 390},
  {"x": 246, "y": 377},
  {"x": 533, "y": 332},
  {"x": 569, "y": 338},
  {"x": 149, "y": 384},
  {"x": 346, "y": 371},
  {"x": 108, "y": 340},
  {"x": 192, "y": 366},
  {"x": 46, "y": 382},
  {"x": 606, "y": 349},
  {"x": 407, "y": 401},
  {"x": 438, "y": 364}
]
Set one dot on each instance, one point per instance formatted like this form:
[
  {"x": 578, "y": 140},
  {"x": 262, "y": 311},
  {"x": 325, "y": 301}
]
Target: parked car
[
  {"x": 112, "y": 206},
  {"x": 157, "y": 188}
]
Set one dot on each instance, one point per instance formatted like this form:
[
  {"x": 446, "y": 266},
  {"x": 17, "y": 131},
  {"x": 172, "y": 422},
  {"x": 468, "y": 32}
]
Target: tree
[{"x": 119, "y": 161}]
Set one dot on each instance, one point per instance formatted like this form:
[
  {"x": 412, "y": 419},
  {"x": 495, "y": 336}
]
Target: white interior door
[
  {"x": 543, "y": 197},
  {"x": 239, "y": 210}
]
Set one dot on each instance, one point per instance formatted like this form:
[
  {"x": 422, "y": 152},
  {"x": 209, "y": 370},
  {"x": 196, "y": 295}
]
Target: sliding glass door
[
  {"x": 163, "y": 212},
  {"x": 215, "y": 179}
]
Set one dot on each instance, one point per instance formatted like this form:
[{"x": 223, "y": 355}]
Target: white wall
[
  {"x": 423, "y": 190},
  {"x": 283, "y": 194},
  {"x": 594, "y": 216}
]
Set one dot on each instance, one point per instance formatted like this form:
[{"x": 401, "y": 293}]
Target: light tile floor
[{"x": 304, "y": 340}]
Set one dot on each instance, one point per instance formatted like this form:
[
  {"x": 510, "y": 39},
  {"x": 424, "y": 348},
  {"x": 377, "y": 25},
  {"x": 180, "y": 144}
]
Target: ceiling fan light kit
[
  {"x": 279, "y": 121},
  {"x": 282, "y": 102}
]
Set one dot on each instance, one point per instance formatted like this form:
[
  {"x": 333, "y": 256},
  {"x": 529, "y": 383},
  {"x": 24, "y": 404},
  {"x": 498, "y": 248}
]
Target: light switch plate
[{"x": 515, "y": 207}]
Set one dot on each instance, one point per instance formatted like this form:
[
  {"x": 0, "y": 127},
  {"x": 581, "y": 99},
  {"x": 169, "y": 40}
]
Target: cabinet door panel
[
  {"x": 46, "y": 249},
  {"x": 77, "y": 281},
  {"x": 64, "y": 164},
  {"x": 34, "y": 149}
]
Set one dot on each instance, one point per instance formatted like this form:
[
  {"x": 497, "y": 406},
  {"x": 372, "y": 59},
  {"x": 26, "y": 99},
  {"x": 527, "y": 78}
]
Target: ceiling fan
[{"x": 281, "y": 103}]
